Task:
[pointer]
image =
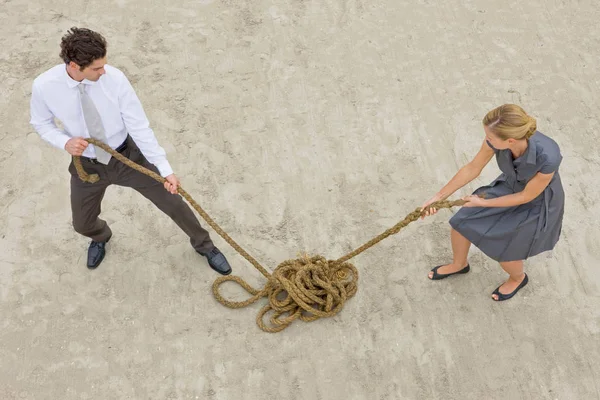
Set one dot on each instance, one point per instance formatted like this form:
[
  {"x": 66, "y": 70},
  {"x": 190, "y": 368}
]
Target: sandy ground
[{"x": 302, "y": 126}]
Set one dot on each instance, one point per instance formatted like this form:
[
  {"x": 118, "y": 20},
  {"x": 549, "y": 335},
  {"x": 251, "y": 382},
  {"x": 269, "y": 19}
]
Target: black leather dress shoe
[
  {"x": 96, "y": 253},
  {"x": 217, "y": 261}
]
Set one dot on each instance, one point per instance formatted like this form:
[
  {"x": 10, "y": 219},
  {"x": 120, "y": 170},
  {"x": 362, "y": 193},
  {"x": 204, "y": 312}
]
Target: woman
[{"x": 520, "y": 213}]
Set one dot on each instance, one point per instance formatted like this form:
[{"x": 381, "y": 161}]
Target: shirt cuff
[
  {"x": 61, "y": 141},
  {"x": 164, "y": 168}
]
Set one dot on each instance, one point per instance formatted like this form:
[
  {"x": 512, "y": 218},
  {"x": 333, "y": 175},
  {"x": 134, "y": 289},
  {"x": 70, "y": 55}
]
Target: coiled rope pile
[{"x": 307, "y": 288}]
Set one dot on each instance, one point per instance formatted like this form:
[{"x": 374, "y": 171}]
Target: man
[{"x": 93, "y": 99}]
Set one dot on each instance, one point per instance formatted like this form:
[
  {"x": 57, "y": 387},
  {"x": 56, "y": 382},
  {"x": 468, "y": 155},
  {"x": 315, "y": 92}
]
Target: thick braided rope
[{"x": 307, "y": 288}]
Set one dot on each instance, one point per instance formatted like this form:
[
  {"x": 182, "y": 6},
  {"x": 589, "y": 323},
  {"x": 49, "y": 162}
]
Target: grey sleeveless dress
[{"x": 519, "y": 232}]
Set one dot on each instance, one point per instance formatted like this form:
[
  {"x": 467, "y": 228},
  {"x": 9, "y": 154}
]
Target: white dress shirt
[{"x": 55, "y": 95}]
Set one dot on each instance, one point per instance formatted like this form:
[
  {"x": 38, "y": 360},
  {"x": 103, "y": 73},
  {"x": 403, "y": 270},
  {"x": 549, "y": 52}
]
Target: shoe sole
[{"x": 220, "y": 272}]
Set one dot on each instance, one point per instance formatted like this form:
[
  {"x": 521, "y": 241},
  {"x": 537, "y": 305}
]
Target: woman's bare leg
[{"x": 460, "y": 251}]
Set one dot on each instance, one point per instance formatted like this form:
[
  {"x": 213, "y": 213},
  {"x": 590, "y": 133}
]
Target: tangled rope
[{"x": 307, "y": 288}]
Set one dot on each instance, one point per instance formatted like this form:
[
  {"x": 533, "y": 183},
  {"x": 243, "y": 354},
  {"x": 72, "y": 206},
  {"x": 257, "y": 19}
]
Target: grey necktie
[{"x": 94, "y": 124}]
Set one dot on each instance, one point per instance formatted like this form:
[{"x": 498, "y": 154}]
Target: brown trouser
[{"x": 86, "y": 197}]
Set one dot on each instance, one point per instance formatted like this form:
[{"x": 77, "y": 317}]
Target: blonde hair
[{"x": 510, "y": 121}]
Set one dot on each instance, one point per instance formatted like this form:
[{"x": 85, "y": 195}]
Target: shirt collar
[
  {"x": 73, "y": 83},
  {"x": 531, "y": 151}
]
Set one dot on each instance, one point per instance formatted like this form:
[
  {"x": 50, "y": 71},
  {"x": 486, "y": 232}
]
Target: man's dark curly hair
[{"x": 82, "y": 46}]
